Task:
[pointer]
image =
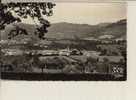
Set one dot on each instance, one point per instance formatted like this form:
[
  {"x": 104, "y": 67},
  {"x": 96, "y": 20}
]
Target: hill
[{"x": 73, "y": 31}]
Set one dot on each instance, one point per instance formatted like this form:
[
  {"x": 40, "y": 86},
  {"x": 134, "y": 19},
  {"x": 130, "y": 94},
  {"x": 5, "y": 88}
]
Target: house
[{"x": 64, "y": 52}]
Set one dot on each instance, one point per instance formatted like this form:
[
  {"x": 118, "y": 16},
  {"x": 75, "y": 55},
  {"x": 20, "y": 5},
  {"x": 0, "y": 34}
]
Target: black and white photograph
[{"x": 63, "y": 41}]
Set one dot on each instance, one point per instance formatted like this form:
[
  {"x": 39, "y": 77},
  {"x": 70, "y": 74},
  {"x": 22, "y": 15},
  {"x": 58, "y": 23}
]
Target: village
[{"x": 68, "y": 60}]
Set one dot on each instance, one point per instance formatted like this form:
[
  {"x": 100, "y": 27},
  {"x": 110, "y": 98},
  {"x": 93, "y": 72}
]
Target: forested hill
[{"x": 65, "y": 30}]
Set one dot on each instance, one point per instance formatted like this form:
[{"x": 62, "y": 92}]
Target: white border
[{"x": 26, "y": 90}]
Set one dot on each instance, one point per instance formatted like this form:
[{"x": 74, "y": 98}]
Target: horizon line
[{"x": 80, "y": 23}]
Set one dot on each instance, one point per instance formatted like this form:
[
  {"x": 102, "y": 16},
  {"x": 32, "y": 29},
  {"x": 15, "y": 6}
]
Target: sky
[{"x": 86, "y": 13}]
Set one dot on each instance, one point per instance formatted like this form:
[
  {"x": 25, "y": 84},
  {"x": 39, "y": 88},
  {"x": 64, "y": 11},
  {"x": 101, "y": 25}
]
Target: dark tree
[
  {"x": 35, "y": 10},
  {"x": 17, "y": 31}
]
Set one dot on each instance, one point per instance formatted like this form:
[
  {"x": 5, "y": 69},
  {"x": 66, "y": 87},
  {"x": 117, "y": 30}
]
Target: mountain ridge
[{"x": 64, "y": 30}]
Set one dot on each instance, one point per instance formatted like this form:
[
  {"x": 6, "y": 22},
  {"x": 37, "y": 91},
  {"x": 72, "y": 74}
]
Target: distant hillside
[
  {"x": 73, "y": 31},
  {"x": 118, "y": 29}
]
